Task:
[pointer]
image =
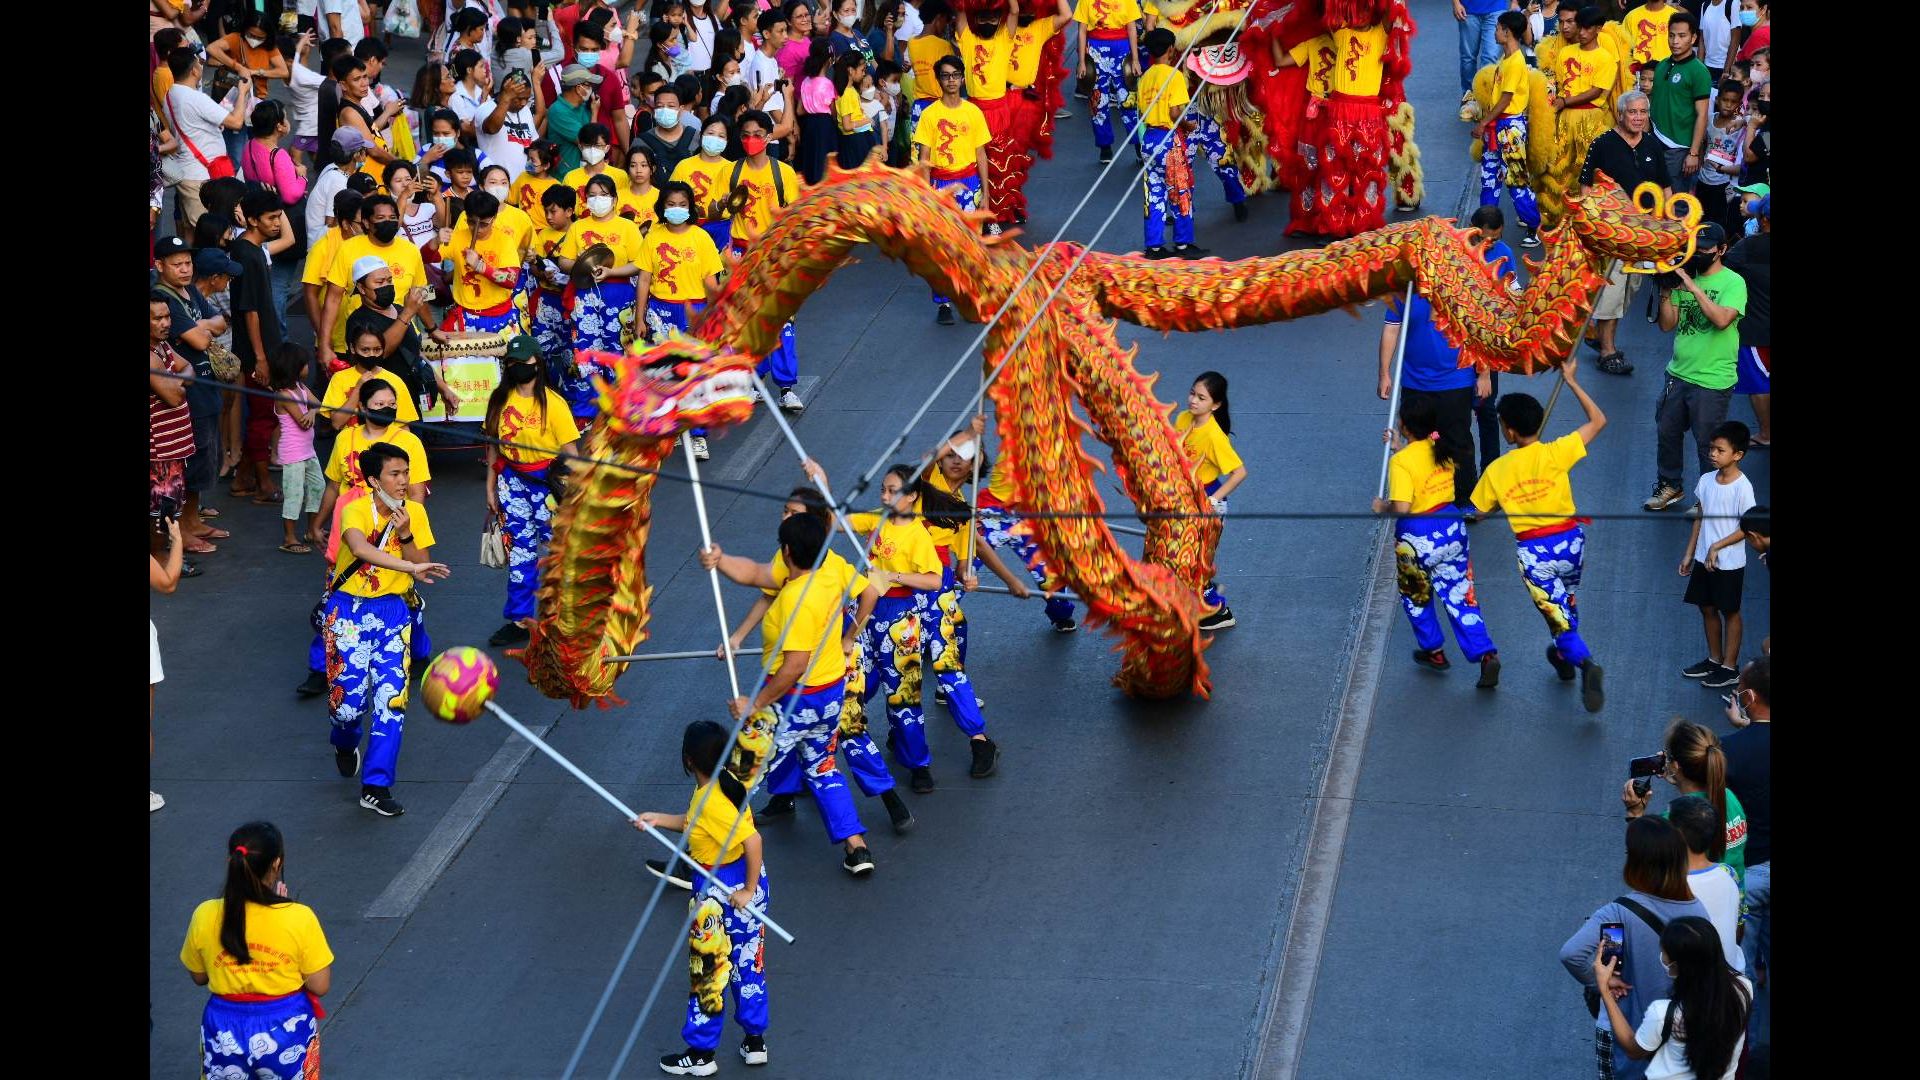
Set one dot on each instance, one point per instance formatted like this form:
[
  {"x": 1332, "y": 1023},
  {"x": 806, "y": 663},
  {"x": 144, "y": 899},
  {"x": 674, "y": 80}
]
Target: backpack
[{"x": 779, "y": 189}]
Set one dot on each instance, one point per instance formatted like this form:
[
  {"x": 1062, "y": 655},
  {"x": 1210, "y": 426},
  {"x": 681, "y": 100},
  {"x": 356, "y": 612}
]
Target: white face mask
[
  {"x": 600, "y": 205},
  {"x": 847, "y": 20},
  {"x": 593, "y": 155},
  {"x": 498, "y": 191},
  {"x": 736, "y": 79},
  {"x": 868, "y": 94}
]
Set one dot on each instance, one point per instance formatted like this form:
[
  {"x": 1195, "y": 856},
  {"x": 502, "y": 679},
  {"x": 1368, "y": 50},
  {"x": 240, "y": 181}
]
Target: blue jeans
[{"x": 1477, "y": 47}]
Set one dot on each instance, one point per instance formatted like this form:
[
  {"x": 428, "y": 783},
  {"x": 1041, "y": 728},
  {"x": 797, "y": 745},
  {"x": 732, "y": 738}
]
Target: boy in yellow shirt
[
  {"x": 1530, "y": 482},
  {"x": 1504, "y": 130},
  {"x": 1169, "y": 175},
  {"x": 951, "y": 137},
  {"x": 486, "y": 264},
  {"x": 769, "y": 184},
  {"x": 1646, "y": 28}
]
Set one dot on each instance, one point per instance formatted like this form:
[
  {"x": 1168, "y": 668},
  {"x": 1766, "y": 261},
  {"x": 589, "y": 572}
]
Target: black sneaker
[
  {"x": 1240, "y": 211},
  {"x": 859, "y": 862},
  {"x": 921, "y": 781},
  {"x": 690, "y": 1062},
  {"x": 1065, "y": 626},
  {"x": 1531, "y": 240},
  {"x": 986, "y": 758},
  {"x": 1106, "y": 155},
  {"x": 939, "y": 695},
  {"x": 778, "y": 806},
  {"x": 1191, "y": 251},
  {"x": 1561, "y": 668},
  {"x": 510, "y": 635},
  {"x": 1489, "y": 672},
  {"x": 1435, "y": 660},
  {"x": 753, "y": 1049},
  {"x": 897, "y": 810},
  {"x": 1219, "y": 620},
  {"x": 1722, "y": 678},
  {"x": 348, "y": 760},
  {"x": 315, "y": 685},
  {"x": 1615, "y": 363},
  {"x": 1591, "y": 693},
  {"x": 1155, "y": 252},
  {"x": 380, "y": 800},
  {"x": 943, "y": 315},
  {"x": 678, "y": 877},
  {"x": 1701, "y": 670}
]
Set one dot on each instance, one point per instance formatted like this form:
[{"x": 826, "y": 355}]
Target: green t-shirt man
[
  {"x": 564, "y": 121},
  {"x": 1703, "y": 354},
  {"x": 1677, "y": 85}
]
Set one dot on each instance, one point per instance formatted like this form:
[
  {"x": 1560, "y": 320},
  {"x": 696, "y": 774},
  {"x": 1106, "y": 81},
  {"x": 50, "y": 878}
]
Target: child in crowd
[
  {"x": 301, "y": 481},
  {"x": 1206, "y": 429},
  {"x": 1726, "y": 149},
  {"x": 1169, "y": 174},
  {"x": 1530, "y": 481},
  {"x": 1716, "y": 545}
]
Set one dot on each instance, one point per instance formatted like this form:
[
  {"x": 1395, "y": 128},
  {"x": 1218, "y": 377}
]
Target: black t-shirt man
[
  {"x": 1629, "y": 166},
  {"x": 1752, "y": 259},
  {"x": 253, "y": 292},
  {"x": 1749, "y": 754}
]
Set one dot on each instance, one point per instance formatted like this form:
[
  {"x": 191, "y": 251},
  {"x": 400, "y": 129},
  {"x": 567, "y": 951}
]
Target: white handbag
[{"x": 493, "y": 545}]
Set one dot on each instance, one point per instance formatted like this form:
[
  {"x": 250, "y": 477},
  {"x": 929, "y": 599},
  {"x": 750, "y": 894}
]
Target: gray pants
[
  {"x": 1686, "y": 407},
  {"x": 1676, "y": 157}
]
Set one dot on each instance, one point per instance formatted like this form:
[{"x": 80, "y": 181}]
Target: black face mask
[
  {"x": 383, "y": 296},
  {"x": 1761, "y": 107},
  {"x": 522, "y": 374},
  {"x": 1701, "y": 261},
  {"x": 385, "y": 231},
  {"x": 381, "y": 417}
]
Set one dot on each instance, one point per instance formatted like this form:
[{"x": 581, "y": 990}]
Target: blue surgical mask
[
  {"x": 713, "y": 144},
  {"x": 666, "y": 116},
  {"x": 1748, "y": 18},
  {"x": 446, "y": 142},
  {"x": 587, "y": 58},
  {"x": 676, "y": 215}
]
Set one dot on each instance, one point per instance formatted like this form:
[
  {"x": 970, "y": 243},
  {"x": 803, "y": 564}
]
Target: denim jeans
[
  {"x": 1477, "y": 47},
  {"x": 1685, "y": 407}
]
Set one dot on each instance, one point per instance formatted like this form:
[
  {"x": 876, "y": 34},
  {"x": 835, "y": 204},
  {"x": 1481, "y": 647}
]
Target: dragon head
[
  {"x": 1645, "y": 226},
  {"x": 675, "y": 386}
]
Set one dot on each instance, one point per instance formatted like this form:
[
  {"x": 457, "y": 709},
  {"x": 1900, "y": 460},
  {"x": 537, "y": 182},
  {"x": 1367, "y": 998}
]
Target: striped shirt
[{"x": 169, "y": 427}]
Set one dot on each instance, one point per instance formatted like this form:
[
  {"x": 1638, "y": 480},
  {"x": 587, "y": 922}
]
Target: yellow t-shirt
[
  {"x": 1513, "y": 77},
  {"x": 640, "y": 207},
  {"x": 1530, "y": 483},
  {"x": 707, "y": 179},
  {"x": 923, "y": 52},
  {"x": 988, "y": 60},
  {"x": 499, "y": 250},
  {"x": 1162, "y": 95},
  {"x": 577, "y": 180},
  {"x": 1107, "y": 14},
  {"x": 401, "y": 256},
  {"x": 1647, "y": 34},
  {"x": 1315, "y": 56},
  {"x": 370, "y": 516},
  {"x": 816, "y": 622},
  {"x": 1580, "y": 70},
  {"x": 1357, "y": 60},
  {"x": 1212, "y": 453},
  {"x": 680, "y": 262},
  {"x": 343, "y": 461},
  {"x": 902, "y": 547},
  {"x": 944, "y": 536},
  {"x": 340, "y": 393},
  {"x": 1023, "y": 67},
  {"x": 619, "y": 234},
  {"x": 762, "y": 198},
  {"x": 526, "y": 193},
  {"x": 1416, "y": 479},
  {"x": 832, "y": 569},
  {"x": 514, "y": 222},
  {"x": 547, "y": 242},
  {"x": 521, "y": 425},
  {"x": 284, "y": 941},
  {"x": 319, "y": 261},
  {"x": 847, "y": 114},
  {"x": 713, "y": 826},
  {"x": 952, "y": 136}
]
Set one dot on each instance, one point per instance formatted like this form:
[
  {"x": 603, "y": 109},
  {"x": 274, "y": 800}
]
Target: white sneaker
[
  {"x": 154, "y": 801},
  {"x": 790, "y": 401},
  {"x": 1064, "y": 113},
  {"x": 699, "y": 448}
]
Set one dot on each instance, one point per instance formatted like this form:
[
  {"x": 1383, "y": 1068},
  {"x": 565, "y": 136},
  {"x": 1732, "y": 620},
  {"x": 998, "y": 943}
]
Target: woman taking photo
[
  {"x": 432, "y": 89},
  {"x": 420, "y": 209},
  {"x": 1696, "y": 1031},
  {"x": 1696, "y": 765},
  {"x": 267, "y": 963},
  {"x": 819, "y": 133}
]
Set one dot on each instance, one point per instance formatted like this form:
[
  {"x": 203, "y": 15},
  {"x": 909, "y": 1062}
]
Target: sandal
[
  {"x": 267, "y": 498},
  {"x": 1760, "y": 442},
  {"x": 296, "y": 549},
  {"x": 200, "y": 547},
  {"x": 209, "y": 512},
  {"x": 214, "y": 534}
]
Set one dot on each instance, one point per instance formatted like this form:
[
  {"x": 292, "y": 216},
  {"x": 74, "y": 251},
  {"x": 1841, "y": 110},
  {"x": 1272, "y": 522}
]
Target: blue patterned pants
[
  {"x": 1504, "y": 161},
  {"x": 745, "y": 977},
  {"x": 998, "y": 525},
  {"x": 804, "y": 743},
  {"x": 528, "y": 525},
  {"x": 259, "y": 1040},
  {"x": 943, "y": 623},
  {"x": 966, "y": 192},
  {"x": 554, "y": 331},
  {"x": 869, "y": 769},
  {"x": 1162, "y": 199},
  {"x": 1551, "y": 566},
  {"x": 1110, "y": 90},
  {"x": 367, "y": 653},
  {"x": 1435, "y": 571},
  {"x": 891, "y": 644},
  {"x": 1206, "y": 138},
  {"x": 603, "y": 320}
]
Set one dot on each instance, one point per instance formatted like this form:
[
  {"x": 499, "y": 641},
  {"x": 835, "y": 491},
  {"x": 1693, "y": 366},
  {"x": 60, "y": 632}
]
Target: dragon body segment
[{"x": 594, "y": 595}]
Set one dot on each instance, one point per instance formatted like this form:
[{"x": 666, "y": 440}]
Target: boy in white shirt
[
  {"x": 1716, "y": 545},
  {"x": 1712, "y": 883}
]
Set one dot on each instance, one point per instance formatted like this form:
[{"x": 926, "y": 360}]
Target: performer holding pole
[{"x": 1393, "y": 399}]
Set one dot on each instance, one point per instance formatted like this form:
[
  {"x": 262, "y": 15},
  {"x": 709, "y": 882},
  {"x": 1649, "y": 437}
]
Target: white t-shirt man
[
  {"x": 1714, "y": 887},
  {"x": 1720, "y": 508},
  {"x": 763, "y": 70},
  {"x": 303, "y": 88},
  {"x": 352, "y": 29},
  {"x": 195, "y": 118},
  {"x": 1716, "y": 31},
  {"x": 1670, "y": 1062},
  {"x": 330, "y": 182},
  {"x": 508, "y": 146},
  {"x": 910, "y": 25}
]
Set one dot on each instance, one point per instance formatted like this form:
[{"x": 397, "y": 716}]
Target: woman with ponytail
[
  {"x": 1430, "y": 541},
  {"x": 1696, "y": 1031},
  {"x": 1696, "y": 765},
  {"x": 266, "y": 961}
]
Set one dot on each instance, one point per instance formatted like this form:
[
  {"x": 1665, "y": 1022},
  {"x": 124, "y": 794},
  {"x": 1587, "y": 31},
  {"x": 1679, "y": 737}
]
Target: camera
[
  {"x": 1666, "y": 280},
  {"x": 1642, "y": 770}
]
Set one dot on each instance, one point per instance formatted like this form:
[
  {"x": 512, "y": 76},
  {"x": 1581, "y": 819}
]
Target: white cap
[
  {"x": 367, "y": 264},
  {"x": 965, "y": 448}
]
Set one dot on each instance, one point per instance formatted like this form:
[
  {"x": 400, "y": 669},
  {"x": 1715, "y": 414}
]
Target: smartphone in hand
[{"x": 1613, "y": 941}]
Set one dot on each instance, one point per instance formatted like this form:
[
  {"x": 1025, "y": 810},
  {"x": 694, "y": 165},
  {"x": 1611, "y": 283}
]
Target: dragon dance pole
[
  {"x": 691, "y": 654},
  {"x": 706, "y": 541},
  {"x": 859, "y": 544},
  {"x": 1393, "y": 399}
]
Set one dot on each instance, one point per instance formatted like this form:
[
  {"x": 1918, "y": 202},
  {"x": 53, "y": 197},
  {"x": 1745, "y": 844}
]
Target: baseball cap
[
  {"x": 1711, "y": 235},
  {"x": 348, "y": 139},
  {"x": 209, "y": 261},
  {"x": 170, "y": 245},
  {"x": 1753, "y": 189},
  {"x": 575, "y": 74},
  {"x": 522, "y": 347},
  {"x": 367, "y": 264}
]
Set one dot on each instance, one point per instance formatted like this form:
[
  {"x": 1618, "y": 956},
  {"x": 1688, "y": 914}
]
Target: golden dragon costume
[{"x": 594, "y": 597}]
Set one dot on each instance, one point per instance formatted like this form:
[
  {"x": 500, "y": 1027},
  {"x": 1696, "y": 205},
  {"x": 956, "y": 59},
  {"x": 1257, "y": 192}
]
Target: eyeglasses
[{"x": 945, "y": 75}]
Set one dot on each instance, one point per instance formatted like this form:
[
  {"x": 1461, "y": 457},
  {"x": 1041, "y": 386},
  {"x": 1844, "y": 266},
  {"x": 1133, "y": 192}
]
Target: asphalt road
[{"x": 1119, "y": 900}]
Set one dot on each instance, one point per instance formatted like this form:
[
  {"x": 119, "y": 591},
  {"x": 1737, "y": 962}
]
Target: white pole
[
  {"x": 706, "y": 541},
  {"x": 1393, "y": 399},
  {"x": 628, "y": 813},
  {"x": 692, "y": 654}
]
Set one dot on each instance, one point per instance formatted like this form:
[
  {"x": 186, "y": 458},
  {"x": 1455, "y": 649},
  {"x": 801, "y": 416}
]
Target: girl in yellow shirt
[
  {"x": 707, "y": 174},
  {"x": 603, "y": 297},
  {"x": 535, "y": 429},
  {"x": 1206, "y": 428},
  {"x": 266, "y": 961},
  {"x": 1430, "y": 543},
  {"x": 638, "y": 203},
  {"x": 851, "y": 81}
]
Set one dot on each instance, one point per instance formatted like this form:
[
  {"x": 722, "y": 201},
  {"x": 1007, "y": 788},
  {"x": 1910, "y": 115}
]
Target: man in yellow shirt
[
  {"x": 770, "y": 184},
  {"x": 1530, "y": 482},
  {"x": 1168, "y": 179},
  {"x": 368, "y": 622},
  {"x": 1503, "y": 132},
  {"x": 486, "y": 263},
  {"x": 380, "y": 216},
  {"x": 1110, "y": 39},
  {"x": 1646, "y": 28},
  {"x": 986, "y": 41},
  {"x": 951, "y": 137}
]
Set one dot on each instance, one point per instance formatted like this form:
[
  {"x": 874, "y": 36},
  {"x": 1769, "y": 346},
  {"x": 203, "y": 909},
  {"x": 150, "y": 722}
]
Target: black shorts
[
  {"x": 1717, "y": 589},
  {"x": 204, "y": 466}
]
